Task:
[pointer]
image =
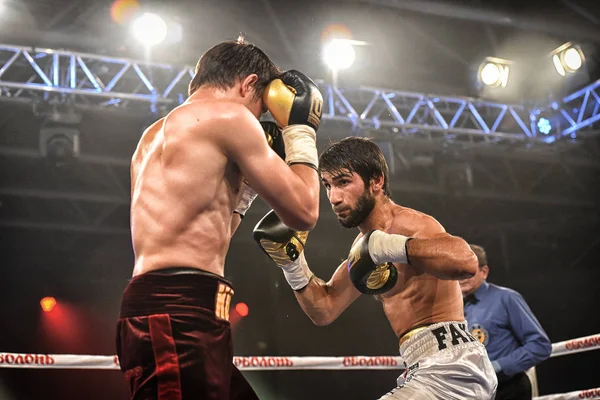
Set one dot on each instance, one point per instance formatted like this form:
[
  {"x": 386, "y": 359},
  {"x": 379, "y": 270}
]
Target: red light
[
  {"x": 242, "y": 309},
  {"x": 48, "y": 303}
]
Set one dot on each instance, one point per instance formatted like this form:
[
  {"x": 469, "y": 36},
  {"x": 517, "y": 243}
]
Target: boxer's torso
[
  {"x": 418, "y": 298},
  {"x": 184, "y": 191}
]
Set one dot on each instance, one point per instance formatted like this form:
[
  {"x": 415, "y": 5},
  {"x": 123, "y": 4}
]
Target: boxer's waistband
[
  {"x": 427, "y": 340},
  {"x": 177, "y": 290},
  {"x": 411, "y": 332}
]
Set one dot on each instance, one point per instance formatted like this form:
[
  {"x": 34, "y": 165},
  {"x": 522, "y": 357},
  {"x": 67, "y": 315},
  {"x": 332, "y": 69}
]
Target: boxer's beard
[{"x": 364, "y": 206}]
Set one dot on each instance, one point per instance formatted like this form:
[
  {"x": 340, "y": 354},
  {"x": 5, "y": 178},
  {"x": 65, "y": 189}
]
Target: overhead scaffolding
[
  {"x": 425, "y": 126},
  {"x": 91, "y": 80}
]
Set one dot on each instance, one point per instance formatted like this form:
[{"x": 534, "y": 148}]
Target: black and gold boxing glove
[
  {"x": 294, "y": 99},
  {"x": 285, "y": 247},
  {"x": 297, "y": 105},
  {"x": 366, "y": 276},
  {"x": 274, "y": 137}
]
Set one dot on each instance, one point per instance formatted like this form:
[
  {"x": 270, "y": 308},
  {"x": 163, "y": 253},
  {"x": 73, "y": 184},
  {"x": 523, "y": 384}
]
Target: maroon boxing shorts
[{"x": 174, "y": 337}]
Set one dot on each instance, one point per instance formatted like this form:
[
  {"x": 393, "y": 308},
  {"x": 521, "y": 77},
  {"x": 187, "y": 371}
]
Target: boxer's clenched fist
[{"x": 366, "y": 276}]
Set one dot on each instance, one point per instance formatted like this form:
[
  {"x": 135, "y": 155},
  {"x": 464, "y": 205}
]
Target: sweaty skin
[
  {"x": 186, "y": 175},
  {"x": 419, "y": 297},
  {"x": 180, "y": 215}
]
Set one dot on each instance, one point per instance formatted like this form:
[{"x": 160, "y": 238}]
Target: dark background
[{"x": 64, "y": 229}]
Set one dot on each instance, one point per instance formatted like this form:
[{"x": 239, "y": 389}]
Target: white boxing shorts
[{"x": 443, "y": 362}]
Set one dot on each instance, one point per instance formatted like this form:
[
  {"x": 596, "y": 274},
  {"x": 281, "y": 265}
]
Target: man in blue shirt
[{"x": 501, "y": 319}]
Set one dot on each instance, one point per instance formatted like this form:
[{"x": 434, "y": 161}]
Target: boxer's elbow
[
  {"x": 461, "y": 264},
  {"x": 470, "y": 264},
  {"x": 464, "y": 267},
  {"x": 310, "y": 218},
  {"x": 304, "y": 220},
  {"x": 320, "y": 316}
]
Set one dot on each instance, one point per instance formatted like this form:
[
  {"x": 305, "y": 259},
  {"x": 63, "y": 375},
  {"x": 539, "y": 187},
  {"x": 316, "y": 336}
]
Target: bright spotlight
[
  {"x": 339, "y": 54},
  {"x": 573, "y": 59},
  {"x": 150, "y": 29},
  {"x": 494, "y": 72},
  {"x": 568, "y": 58},
  {"x": 490, "y": 74}
]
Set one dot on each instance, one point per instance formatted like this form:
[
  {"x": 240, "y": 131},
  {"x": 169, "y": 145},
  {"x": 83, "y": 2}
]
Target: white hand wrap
[
  {"x": 248, "y": 196},
  {"x": 300, "y": 145},
  {"x": 384, "y": 247},
  {"x": 297, "y": 273}
]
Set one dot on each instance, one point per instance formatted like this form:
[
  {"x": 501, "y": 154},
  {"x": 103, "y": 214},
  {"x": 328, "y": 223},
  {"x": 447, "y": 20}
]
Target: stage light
[
  {"x": 59, "y": 143},
  {"x": 490, "y": 74},
  {"x": 339, "y": 54},
  {"x": 567, "y": 59},
  {"x": 494, "y": 72},
  {"x": 544, "y": 126},
  {"x": 48, "y": 303},
  {"x": 150, "y": 29},
  {"x": 242, "y": 309}
]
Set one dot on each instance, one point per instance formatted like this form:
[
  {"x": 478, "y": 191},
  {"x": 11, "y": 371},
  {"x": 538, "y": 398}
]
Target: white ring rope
[
  {"x": 75, "y": 361},
  {"x": 576, "y": 395}
]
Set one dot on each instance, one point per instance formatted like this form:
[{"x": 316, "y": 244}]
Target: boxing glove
[
  {"x": 285, "y": 247},
  {"x": 366, "y": 275},
  {"x": 294, "y": 99},
  {"x": 297, "y": 105},
  {"x": 274, "y": 137}
]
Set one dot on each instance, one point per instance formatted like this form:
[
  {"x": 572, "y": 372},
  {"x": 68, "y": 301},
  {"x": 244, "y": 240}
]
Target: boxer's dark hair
[
  {"x": 480, "y": 253},
  {"x": 229, "y": 62},
  {"x": 356, "y": 154}
]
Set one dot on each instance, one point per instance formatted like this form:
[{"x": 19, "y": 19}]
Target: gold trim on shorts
[
  {"x": 223, "y": 301},
  {"x": 411, "y": 333}
]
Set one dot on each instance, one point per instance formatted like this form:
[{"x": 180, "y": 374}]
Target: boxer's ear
[
  {"x": 248, "y": 85},
  {"x": 376, "y": 182}
]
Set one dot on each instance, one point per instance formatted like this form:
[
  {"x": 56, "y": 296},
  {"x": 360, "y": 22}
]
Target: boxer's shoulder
[
  {"x": 201, "y": 120},
  {"x": 411, "y": 222}
]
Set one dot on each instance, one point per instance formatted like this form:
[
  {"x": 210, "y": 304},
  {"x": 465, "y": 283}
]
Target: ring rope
[{"x": 261, "y": 363}]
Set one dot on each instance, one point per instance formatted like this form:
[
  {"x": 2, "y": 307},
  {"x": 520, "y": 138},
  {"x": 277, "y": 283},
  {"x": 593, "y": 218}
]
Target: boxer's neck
[
  {"x": 216, "y": 93},
  {"x": 381, "y": 217}
]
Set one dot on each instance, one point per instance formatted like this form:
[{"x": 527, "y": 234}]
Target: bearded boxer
[
  {"x": 194, "y": 175},
  {"x": 406, "y": 259}
]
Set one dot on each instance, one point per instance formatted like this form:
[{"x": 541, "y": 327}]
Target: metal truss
[
  {"x": 84, "y": 79},
  {"x": 81, "y": 79},
  {"x": 575, "y": 112}
]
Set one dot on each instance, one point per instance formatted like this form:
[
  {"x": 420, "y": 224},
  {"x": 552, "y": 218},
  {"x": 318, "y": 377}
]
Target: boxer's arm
[
  {"x": 429, "y": 249},
  {"x": 324, "y": 301},
  {"x": 142, "y": 148},
  {"x": 440, "y": 254},
  {"x": 291, "y": 191}
]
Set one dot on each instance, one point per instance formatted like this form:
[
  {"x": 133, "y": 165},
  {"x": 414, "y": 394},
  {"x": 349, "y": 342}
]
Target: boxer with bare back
[
  {"x": 406, "y": 259},
  {"x": 193, "y": 176}
]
